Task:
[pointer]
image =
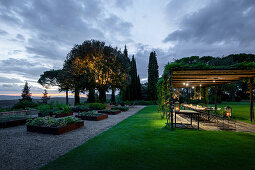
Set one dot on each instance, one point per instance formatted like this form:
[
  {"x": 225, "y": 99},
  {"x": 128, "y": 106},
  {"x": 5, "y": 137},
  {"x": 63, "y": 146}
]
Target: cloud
[
  {"x": 56, "y": 26},
  {"x": 142, "y": 59},
  {"x": 225, "y": 26},
  {"x": 2, "y": 32},
  {"x": 20, "y": 37},
  {"x": 22, "y": 67},
  {"x": 9, "y": 80},
  {"x": 123, "y": 4}
]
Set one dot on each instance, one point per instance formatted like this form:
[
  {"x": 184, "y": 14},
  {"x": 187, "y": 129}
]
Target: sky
[{"x": 36, "y": 35}]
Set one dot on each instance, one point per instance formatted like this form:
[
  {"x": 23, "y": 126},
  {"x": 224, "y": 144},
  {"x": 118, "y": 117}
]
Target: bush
[
  {"x": 80, "y": 108},
  {"x": 25, "y": 104},
  {"x": 143, "y": 102},
  {"x": 96, "y": 106},
  {"x": 122, "y": 108},
  {"x": 50, "y": 109}
]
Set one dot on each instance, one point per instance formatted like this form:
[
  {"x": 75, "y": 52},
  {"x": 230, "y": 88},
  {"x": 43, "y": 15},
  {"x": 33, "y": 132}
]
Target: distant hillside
[{"x": 10, "y": 101}]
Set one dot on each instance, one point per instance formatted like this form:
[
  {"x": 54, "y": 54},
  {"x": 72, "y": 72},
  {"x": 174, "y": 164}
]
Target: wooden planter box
[
  {"x": 55, "y": 130},
  {"x": 13, "y": 123},
  {"x": 109, "y": 113},
  {"x": 63, "y": 114},
  {"x": 94, "y": 118}
]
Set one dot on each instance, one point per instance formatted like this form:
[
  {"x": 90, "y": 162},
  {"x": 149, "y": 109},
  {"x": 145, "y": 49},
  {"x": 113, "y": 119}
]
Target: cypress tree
[
  {"x": 133, "y": 73},
  {"x": 139, "y": 88},
  {"x": 152, "y": 77},
  {"x": 126, "y": 91},
  {"x": 26, "y": 95}
]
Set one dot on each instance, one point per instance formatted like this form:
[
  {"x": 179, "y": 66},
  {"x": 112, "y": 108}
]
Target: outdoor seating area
[
  {"x": 177, "y": 79},
  {"x": 210, "y": 115}
]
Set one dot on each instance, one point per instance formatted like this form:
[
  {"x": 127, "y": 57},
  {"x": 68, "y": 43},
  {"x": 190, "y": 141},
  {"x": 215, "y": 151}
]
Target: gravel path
[{"x": 20, "y": 149}]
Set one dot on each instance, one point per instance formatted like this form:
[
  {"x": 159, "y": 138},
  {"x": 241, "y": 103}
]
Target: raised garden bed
[
  {"x": 63, "y": 114},
  {"x": 55, "y": 126},
  {"x": 93, "y": 117},
  {"x": 11, "y": 123},
  {"x": 121, "y": 108},
  {"x": 110, "y": 112},
  {"x": 55, "y": 130}
]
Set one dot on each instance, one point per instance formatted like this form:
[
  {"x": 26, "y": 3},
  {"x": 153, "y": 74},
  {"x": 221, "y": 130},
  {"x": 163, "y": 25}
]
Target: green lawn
[
  {"x": 141, "y": 142},
  {"x": 240, "y": 110}
]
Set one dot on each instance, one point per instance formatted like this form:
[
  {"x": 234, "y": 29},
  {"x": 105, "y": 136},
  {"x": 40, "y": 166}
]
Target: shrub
[
  {"x": 80, "y": 108},
  {"x": 96, "y": 106},
  {"x": 122, "y": 108},
  {"x": 143, "y": 102},
  {"x": 24, "y": 104},
  {"x": 50, "y": 109},
  {"x": 46, "y": 110},
  {"x": 51, "y": 122}
]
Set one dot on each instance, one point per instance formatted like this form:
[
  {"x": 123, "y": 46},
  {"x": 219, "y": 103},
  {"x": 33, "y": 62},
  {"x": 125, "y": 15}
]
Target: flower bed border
[
  {"x": 93, "y": 118},
  {"x": 55, "y": 130},
  {"x": 13, "y": 123},
  {"x": 110, "y": 113},
  {"x": 63, "y": 115}
]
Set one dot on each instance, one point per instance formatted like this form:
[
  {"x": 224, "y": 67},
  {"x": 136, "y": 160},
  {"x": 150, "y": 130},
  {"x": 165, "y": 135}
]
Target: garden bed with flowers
[
  {"x": 92, "y": 116},
  {"x": 53, "y": 125}
]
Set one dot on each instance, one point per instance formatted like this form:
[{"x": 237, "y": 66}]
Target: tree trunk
[
  {"x": 102, "y": 95},
  {"x": 91, "y": 97},
  {"x": 67, "y": 97},
  {"x": 113, "y": 96},
  {"x": 76, "y": 96}
]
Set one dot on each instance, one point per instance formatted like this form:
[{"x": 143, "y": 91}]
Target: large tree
[
  {"x": 94, "y": 66},
  {"x": 152, "y": 76},
  {"x": 59, "y": 78}
]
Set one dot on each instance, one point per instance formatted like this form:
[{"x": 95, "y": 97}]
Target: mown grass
[
  {"x": 142, "y": 142},
  {"x": 240, "y": 110}
]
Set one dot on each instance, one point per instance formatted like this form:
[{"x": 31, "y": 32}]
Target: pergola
[{"x": 192, "y": 78}]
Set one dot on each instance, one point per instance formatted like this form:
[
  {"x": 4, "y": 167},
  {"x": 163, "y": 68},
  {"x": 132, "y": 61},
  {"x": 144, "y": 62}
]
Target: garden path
[{"x": 20, "y": 149}]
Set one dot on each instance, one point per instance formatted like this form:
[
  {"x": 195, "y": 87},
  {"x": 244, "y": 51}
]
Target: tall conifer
[{"x": 152, "y": 76}]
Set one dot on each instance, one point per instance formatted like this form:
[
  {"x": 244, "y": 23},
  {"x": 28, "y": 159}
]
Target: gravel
[{"x": 20, "y": 149}]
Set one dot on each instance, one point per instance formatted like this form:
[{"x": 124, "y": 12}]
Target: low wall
[{"x": 21, "y": 112}]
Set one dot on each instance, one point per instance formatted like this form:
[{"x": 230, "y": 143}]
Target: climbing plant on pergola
[{"x": 200, "y": 75}]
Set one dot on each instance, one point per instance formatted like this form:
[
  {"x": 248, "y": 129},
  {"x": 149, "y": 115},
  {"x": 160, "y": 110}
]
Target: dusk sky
[{"x": 36, "y": 35}]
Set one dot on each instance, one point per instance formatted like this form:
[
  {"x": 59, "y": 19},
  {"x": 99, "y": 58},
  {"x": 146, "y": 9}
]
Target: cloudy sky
[{"x": 36, "y": 35}]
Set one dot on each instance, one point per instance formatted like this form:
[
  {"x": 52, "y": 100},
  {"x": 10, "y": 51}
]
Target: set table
[{"x": 187, "y": 112}]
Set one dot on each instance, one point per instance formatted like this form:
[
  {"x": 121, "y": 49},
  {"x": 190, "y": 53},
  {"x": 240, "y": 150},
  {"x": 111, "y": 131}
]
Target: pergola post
[
  {"x": 204, "y": 95},
  {"x": 251, "y": 100},
  {"x": 216, "y": 96},
  {"x": 171, "y": 99}
]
